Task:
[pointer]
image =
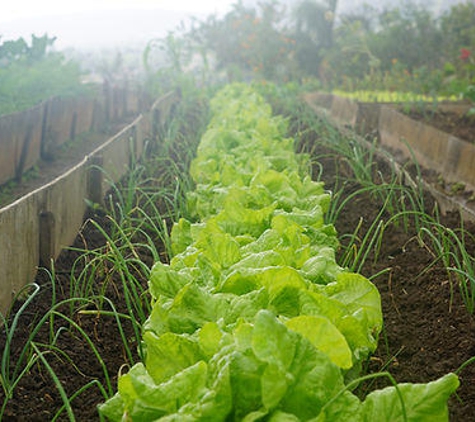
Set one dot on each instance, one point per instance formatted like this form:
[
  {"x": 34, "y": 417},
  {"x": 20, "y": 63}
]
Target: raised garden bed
[
  {"x": 446, "y": 161},
  {"x": 79, "y": 323},
  {"x": 427, "y": 332}
]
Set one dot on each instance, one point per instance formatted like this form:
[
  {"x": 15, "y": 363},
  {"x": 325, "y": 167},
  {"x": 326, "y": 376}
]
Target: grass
[
  {"x": 12, "y": 372},
  {"x": 449, "y": 247}
]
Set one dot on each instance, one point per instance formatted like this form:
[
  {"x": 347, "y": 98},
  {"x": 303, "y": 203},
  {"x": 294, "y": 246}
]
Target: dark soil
[
  {"x": 427, "y": 333},
  {"x": 36, "y": 397},
  {"x": 427, "y": 329}
]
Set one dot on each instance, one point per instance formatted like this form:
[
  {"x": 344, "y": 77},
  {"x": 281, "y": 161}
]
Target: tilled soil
[
  {"x": 427, "y": 329},
  {"x": 427, "y": 333}
]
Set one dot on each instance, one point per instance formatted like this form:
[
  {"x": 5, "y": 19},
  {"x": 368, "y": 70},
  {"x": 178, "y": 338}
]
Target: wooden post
[
  {"x": 20, "y": 169},
  {"x": 96, "y": 179},
  {"x": 73, "y": 130},
  {"x": 156, "y": 119},
  {"x": 47, "y": 239}
]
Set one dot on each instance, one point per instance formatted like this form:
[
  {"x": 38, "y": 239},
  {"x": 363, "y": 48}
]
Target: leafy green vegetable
[
  {"x": 253, "y": 319},
  {"x": 324, "y": 336},
  {"x": 422, "y": 402}
]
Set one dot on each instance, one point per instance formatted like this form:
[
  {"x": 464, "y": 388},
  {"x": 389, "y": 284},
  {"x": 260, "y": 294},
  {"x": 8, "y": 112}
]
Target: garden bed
[
  {"x": 446, "y": 161},
  {"x": 428, "y": 333},
  {"x": 96, "y": 333},
  {"x": 428, "y": 330}
]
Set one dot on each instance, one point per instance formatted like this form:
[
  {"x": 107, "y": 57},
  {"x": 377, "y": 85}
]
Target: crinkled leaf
[
  {"x": 358, "y": 335},
  {"x": 146, "y": 401},
  {"x": 209, "y": 339},
  {"x": 324, "y": 336},
  {"x": 165, "y": 281},
  {"x": 181, "y": 236},
  {"x": 113, "y": 409},
  {"x": 360, "y": 296},
  {"x": 218, "y": 247},
  {"x": 192, "y": 307},
  {"x": 321, "y": 268},
  {"x": 169, "y": 354}
]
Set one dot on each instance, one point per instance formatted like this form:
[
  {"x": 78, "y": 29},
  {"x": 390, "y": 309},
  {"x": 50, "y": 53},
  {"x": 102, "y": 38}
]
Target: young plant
[{"x": 449, "y": 247}]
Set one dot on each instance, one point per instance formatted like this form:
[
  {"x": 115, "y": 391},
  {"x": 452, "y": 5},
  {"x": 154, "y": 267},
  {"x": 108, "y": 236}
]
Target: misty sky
[
  {"x": 97, "y": 24},
  {"x": 92, "y": 24},
  {"x": 17, "y": 9}
]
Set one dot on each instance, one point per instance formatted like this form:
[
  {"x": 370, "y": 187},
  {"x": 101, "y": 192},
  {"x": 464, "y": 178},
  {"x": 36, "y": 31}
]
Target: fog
[
  {"x": 93, "y": 25},
  {"x": 103, "y": 24},
  {"x": 97, "y": 30}
]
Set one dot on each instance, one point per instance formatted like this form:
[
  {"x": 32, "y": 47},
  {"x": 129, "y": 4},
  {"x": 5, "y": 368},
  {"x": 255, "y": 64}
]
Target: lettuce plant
[{"x": 253, "y": 319}]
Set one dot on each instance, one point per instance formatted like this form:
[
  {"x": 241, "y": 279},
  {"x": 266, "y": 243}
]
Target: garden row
[
  {"x": 37, "y": 133},
  {"x": 453, "y": 159},
  {"x": 253, "y": 319},
  {"x": 35, "y": 228}
]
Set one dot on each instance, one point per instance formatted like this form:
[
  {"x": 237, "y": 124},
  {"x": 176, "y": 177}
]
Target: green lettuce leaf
[
  {"x": 360, "y": 296},
  {"x": 324, "y": 336},
  {"x": 167, "y": 282},
  {"x": 169, "y": 354},
  {"x": 423, "y": 402},
  {"x": 304, "y": 377}
]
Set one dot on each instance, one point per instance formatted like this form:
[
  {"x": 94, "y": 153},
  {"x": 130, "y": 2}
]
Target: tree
[
  {"x": 458, "y": 27},
  {"x": 314, "y": 23},
  {"x": 249, "y": 40},
  {"x": 19, "y": 50}
]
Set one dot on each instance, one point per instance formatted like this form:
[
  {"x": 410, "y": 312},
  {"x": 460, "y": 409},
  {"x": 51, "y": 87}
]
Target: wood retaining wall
[
  {"x": 406, "y": 139},
  {"x": 34, "y": 134},
  {"x": 433, "y": 148},
  {"x": 35, "y": 228}
]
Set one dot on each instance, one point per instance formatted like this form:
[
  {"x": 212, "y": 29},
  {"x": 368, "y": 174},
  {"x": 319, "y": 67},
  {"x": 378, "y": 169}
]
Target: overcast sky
[
  {"x": 87, "y": 24},
  {"x": 15, "y": 9}
]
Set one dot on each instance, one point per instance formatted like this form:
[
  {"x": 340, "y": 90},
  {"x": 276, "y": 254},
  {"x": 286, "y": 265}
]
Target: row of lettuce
[{"x": 253, "y": 319}]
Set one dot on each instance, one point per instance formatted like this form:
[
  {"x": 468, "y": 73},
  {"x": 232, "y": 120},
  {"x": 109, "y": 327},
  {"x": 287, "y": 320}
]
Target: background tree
[
  {"x": 313, "y": 22},
  {"x": 408, "y": 33},
  {"x": 249, "y": 41},
  {"x": 31, "y": 73}
]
